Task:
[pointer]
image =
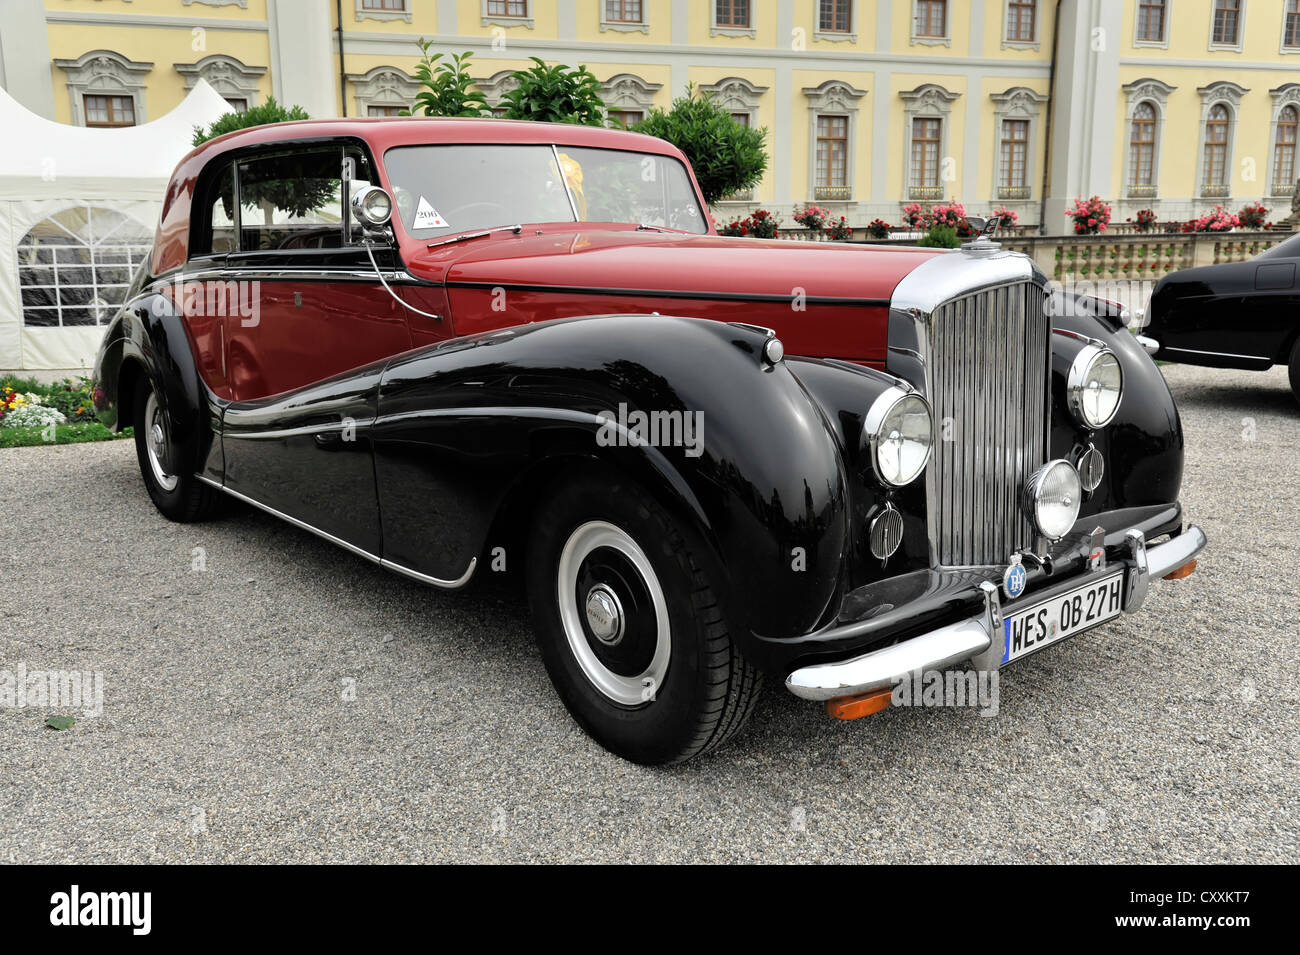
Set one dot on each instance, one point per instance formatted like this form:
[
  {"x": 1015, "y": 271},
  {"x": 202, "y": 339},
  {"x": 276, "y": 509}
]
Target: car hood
[{"x": 627, "y": 259}]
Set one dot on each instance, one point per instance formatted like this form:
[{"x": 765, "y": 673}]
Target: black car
[{"x": 1235, "y": 315}]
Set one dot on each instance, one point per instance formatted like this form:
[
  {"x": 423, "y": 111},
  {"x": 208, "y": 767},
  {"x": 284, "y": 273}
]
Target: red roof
[
  {"x": 379, "y": 133},
  {"x": 382, "y": 133}
]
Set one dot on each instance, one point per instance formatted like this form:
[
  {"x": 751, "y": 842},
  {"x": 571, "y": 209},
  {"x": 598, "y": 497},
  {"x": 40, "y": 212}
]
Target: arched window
[
  {"x": 1142, "y": 148},
  {"x": 74, "y": 267},
  {"x": 1284, "y": 173},
  {"x": 1215, "y": 175}
]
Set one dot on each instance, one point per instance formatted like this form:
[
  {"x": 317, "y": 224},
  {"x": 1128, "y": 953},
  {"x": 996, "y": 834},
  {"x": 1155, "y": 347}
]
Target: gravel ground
[{"x": 228, "y": 733}]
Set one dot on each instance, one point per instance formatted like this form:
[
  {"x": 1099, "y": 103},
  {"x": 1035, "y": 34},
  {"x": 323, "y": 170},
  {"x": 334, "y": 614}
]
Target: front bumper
[{"x": 977, "y": 639}]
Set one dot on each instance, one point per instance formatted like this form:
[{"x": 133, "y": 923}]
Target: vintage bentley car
[
  {"x": 1234, "y": 315},
  {"x": 461, "y": 347}
]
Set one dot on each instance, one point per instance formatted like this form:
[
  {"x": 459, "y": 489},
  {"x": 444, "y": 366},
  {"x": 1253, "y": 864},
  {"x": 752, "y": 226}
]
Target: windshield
[
  {"x": 443, "y": 190},
  {"x": 1288, "y": 249}
]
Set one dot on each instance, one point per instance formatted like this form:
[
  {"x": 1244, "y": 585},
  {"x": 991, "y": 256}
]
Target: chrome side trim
[
  {"x": 311, "y": 429},
  {"x": 233, "y": 273},
  {"x": 971, "y": 640},
  {"x": 460, "y": 581},
  {"x": 353, "y": 548},
  {"x": 1217, "y": 354}
]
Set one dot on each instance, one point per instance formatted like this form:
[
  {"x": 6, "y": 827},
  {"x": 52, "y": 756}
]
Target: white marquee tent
[{"x": 78, "y": 208}]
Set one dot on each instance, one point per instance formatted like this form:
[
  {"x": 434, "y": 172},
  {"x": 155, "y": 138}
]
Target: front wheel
[
  {"x": 630, "y": 627},
  {"x": 179, "y": 496}
]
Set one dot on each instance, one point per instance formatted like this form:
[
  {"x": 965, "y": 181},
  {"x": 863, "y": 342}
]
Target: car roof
[
  {"x": 171, "y": 240},
  {"x": 382, "y": 133}
]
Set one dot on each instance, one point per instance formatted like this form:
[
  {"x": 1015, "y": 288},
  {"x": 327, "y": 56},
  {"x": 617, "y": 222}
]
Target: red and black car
[{"x": 440, "y": 342}]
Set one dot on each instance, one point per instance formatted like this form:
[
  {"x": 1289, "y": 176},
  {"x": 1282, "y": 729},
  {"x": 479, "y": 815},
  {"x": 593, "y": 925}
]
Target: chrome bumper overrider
[{"x": 972, "y": 640}]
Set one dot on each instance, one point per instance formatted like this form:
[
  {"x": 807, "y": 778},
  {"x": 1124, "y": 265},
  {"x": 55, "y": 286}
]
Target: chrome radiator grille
[{"x": 987, "y": 368}]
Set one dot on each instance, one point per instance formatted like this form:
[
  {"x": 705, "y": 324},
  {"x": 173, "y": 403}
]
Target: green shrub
[
  {"x": 726, "y": 156},
  {"x": 555, "y": 94},
  {"x": 445, "y": 87},
  {"x": 940, "y": 237},
  {"x": 268, "y": 112}
]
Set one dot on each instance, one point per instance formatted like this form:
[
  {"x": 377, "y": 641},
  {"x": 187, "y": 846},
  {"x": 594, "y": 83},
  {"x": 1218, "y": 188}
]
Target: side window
[{"x": 291, "y": 201}]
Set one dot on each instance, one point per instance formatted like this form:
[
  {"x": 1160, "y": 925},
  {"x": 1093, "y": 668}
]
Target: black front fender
[
  {"x": 1143, "y": 444},
  {"x": 466, "y": 426}
]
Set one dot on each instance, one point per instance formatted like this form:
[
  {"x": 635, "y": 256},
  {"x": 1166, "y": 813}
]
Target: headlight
[
  {"x": 900, "y": 433},
  {"x": 1094, "y": 386},
  {"x": 373, "y": 207},
  {"x": 1052, "y": 499}
]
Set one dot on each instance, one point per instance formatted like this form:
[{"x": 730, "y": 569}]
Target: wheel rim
[
  {"x": 614, "y": 613},
  {"x": 155, "y": 443}
]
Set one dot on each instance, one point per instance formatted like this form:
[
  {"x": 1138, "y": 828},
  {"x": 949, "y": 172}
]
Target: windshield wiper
[{"x": 466, "y": 236}]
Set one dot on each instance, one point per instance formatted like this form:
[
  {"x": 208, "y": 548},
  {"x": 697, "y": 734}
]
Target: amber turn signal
[
  {"x": 853, "y": 707},
  {"x": 1184, "y": 571}
]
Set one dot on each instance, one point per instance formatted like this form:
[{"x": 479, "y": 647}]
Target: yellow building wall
[{"x": 162, "y": 46}]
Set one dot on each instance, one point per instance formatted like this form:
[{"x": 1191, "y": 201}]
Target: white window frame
[
  {"x": 945, "y": 40},
  {"x": 1288, "y": 94},
  {"x": 750, "y": 32},
  {"x": 382, "y": 86},
  {"x": 927, "y": 101},
  {"x": 1018, "y": 102},
  {"x": 833, "y": 98},
  {"x": 1032, "y": 44},
  {"x": 1227, "y": 94},
  {"x": 230, "y": 77},
  {"x": 627, "y": 91},
  {"x": 1241, "y": 31},
  {"x": 831, "y": 36},
  {"x": 1162, "y": 44},
  {"x": 105, "y": 73},
  {"x": 1155, "y": 92},
  {"x": 403, "y": 14},
  {"x": 496, "y": 19},
  {"x": 1282, "y": 47},
  {"x": 625, "y": 26}
]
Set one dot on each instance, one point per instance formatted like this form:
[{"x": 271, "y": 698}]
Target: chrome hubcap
[
  {"x": 614, "y": 613},
  {"x": 156, "y": 444},
  {"x": 605, "y": 615}
]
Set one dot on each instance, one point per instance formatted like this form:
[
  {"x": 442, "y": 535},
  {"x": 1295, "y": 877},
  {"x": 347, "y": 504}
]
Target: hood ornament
[{"x": 985, "y": 230}]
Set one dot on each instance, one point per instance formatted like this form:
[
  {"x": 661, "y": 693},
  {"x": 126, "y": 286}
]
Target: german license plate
[{"x": 1064, "y": 615}]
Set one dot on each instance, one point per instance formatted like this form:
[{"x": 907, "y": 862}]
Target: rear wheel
[
  {"x": 630, "y": 627},
  {"x": 178, "y": 495}
]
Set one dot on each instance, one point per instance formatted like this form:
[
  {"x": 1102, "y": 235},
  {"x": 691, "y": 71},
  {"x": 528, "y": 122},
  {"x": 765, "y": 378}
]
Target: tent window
[{"x": 74, "y": 268}]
